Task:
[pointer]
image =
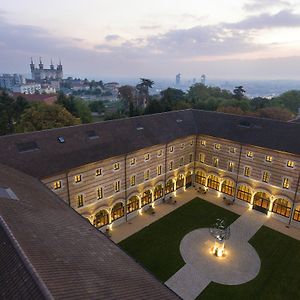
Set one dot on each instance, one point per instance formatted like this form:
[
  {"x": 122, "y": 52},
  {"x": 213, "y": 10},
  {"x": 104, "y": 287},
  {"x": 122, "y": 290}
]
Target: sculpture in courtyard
[{"x": 221, "y": 232}]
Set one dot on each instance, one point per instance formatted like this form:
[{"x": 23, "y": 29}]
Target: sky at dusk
[{"x": 251, "y": 39}]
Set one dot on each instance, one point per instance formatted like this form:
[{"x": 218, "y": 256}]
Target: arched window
[
  {"x": 213, "y": 182},
  {"x": 179, "y": 182},
  {"x": 296, "y": 215},
  {"x": 282, "y": 207},
  {"x": 117, "y": 211},
  {"x": 170, "y": 186},
  {"x": 101, "y": 218},
  {"x": 200, "y": 178},
  {"x": 244, "y": 193},
  {"x": 228, "y": 187},
  {"x": 147, "y": 198},
  {"x": 158, "y": 191},
  {"x": 261, "y": 201},
  {"x": 133, "y": 204}
]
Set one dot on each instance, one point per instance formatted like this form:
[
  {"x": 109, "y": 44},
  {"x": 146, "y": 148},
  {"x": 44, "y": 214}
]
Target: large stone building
[
  {"x": 111, "y": 171},
  {"x": 40, "y": 74}
]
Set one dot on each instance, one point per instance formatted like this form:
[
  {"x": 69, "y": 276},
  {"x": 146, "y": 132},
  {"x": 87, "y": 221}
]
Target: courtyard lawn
[
  {"x": 156, "y": 247},
  {"x": 279, "y": 274}
]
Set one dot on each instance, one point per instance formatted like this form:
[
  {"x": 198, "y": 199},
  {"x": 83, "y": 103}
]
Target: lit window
[
  {"x": 117, "y": 186},
  {"x": 116, "y": 166},
  {"x": 232, "y": 150},
  {"x": 191, "y": 157},
  {"x": 98, "y": 172},
  {"x": 230, "y": 166},
  {"x": 181, "y": 161},
  {"x": 171, "y": 165},
  {"x": 286, "y": 183},
  {"x": 171, "y": 149},
  {"x": 79, "y": 200},
  {"x": 77, "y": 178},
  {"x": 269, "y": 158},
  {"x": 215, "y": 162},
  {"x": 159, "y": 170},
  {"x": 159, "y": 152},
  {"x": 146, "y": 174},
  {"x": 201, "y": 157},
  {"x": 290, "y": 164},
  {"x": 247, "y": 171},
  {"x": 203, "y": 143},
  {"x": 250, "y": 154},
  {"x": 147, "y": 156},
  {"x": 266, "y": 176},
  {"x": 217, "y": 146},
  {"x": 57, "y": 185},
  {"x": 132, "y": 161},
  {"x": 132, "y": 180},
  {"x": 182, "y": 146},
  {"x": 99, "y": 193}
]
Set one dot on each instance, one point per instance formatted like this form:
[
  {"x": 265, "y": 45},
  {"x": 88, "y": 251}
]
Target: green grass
[
  {"x": 156, "y": 247},
  {"x": 279, "y": 274}
]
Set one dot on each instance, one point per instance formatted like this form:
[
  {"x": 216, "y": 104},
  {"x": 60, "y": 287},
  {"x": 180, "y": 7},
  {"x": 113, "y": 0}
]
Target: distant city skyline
[{"x": 250, "y": 39}]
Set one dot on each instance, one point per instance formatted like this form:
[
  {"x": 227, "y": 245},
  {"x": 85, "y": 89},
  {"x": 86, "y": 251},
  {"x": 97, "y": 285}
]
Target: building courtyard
[{"x": 174, "y": 244}]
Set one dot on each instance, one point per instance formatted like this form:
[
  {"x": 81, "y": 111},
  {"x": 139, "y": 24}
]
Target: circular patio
[{"x": 240, "y": 264}]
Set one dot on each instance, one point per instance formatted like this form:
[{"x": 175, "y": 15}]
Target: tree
[
  {"x": 42, "y": 116},
  {"x": 277, "y": 113},
  {"x": 127, "y": 95},
  {"x": 289, "y": 100},
  {"x": 170, "y": 97},
  {"x": 10, "y": 112},
  {"x": 153, "y": 107},
  {"x": 76, "y": 106},
  {"x": 97, "y": 106},
  {"x": 239, "y": 92},
  {"x": 230, "y": 110},
  {"x": 143, "y": 91}
]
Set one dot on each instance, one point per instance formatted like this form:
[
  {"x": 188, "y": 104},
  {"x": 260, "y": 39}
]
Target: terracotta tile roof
[
  {"x": 47, "y": 98},
  {"x": 118, "y": 137},
  {"x": 70, "y": 257}
]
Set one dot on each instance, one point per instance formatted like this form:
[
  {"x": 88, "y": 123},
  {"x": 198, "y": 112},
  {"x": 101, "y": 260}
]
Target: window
[
  {"x": 213, "y": 182},
  {"x": 266, "y": 176},
  {"x": 269, "y": 158},
  {"x": 57, "y": 185},
  {"x": 217, "y": 146},
  {"x": 171, "y": 149},
  {"x": 247, "y": 171},
  {"x": 147, "y": 156},
  {"x": 286, "y": 183},
  {"x": 244, "y": 193},
  {"x": 116, "y": 166},
  {"x": 190, "y": 157},
  {"x": 201, "y": 157},
  {"x": 159, "y": 153},
  {"x": 215, "y": 161},
  {"x": 132, "y": 180},
  {"x": 181, "y": 161},
  {"x": 230, "y": 166},
  {"x": 77, "y": 178},
  {"x": 282, "y": 207},
  {"x": 200, "y": 178},
  {"x": 117, "y": 186},
  {"x": 171, "y": 165},
  {"x": 290, "y": 164},
  {"x": 192, "y": 142},
  {"x": 98, "y": 172},
  {"x": 232, "y": 150},
  {"x": 203, "y": 143},
  {"x": 61, "y": 139},
  {"x": 99, "y": 193},
  {"x": 79, "y": 200},
  {"x": 228, "y": 187},
  {"x": 159, "y": 170},
  {"x": 182, "y": 146},
  {"x": 249, "y": 154},
  {"x": 132, "y": 161},
  {"x": 146, "y": 174}
]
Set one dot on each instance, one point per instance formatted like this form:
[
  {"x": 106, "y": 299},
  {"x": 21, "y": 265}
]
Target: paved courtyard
[{"x": 240, "y": 264}]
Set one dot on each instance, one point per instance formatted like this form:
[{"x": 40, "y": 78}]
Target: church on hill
[{"x": 41, "y": 74}]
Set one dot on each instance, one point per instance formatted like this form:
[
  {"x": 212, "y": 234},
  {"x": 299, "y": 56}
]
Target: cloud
[
  {"x": 259, "y": 5},
  {"x": 112, "y": 37},
  {"x": 150, "y": 27},
  {"x": 284, "y": 18}
]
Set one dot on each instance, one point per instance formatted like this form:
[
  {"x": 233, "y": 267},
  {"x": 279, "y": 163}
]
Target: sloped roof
[
  {"x": 122, "y": 136},
  {"x": 69, "y": 257}
]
